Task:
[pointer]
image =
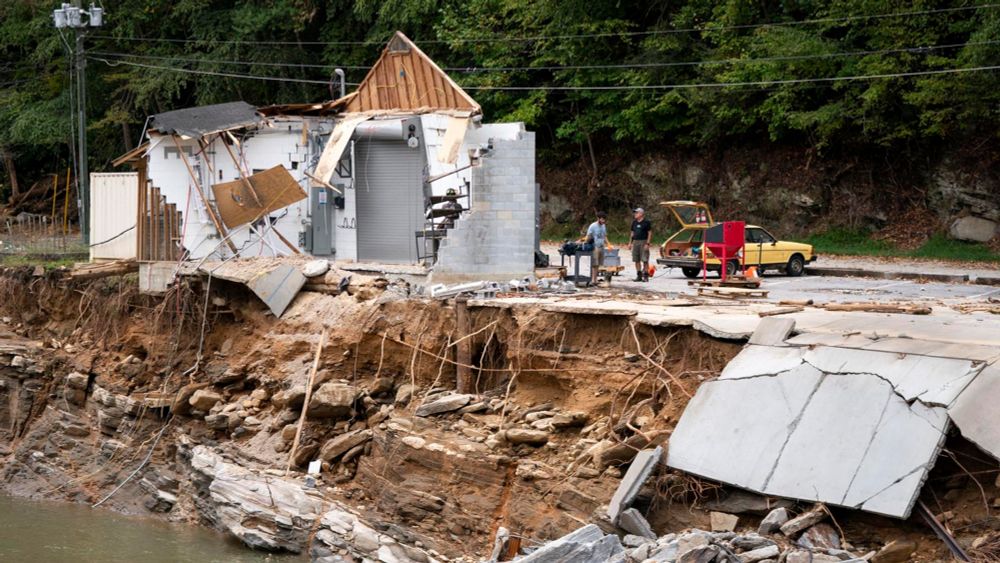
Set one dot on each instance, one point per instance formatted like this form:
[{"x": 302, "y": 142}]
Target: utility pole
[{"x": 71, "y": 16}]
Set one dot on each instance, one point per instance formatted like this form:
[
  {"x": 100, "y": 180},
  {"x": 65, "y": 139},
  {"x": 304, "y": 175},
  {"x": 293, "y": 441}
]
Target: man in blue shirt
[{"x": 597, "y": 234}]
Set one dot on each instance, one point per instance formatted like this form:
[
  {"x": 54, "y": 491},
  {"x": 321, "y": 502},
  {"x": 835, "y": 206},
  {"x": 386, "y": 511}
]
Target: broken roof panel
[
  {"x": 205, "y": 120},
  {"x": 404, "y": 78}
]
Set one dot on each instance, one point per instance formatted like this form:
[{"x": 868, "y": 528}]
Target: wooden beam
[
  {"x": 208, "y": 204},
  {"x": 305, "y": 405},
  {"x": 242, "y": 177}
]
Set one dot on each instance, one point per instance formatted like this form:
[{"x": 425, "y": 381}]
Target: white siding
[{"x": 114, "y": 201}]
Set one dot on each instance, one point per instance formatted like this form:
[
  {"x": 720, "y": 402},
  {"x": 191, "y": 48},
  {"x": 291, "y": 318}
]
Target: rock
[
  {"x": 745, "y": 502},
  {"x": 526, "y": 436},
  {"x": 585, "y": 545},
  {"x": 820, "y": 537},
  {"x": 448, "y": 403},
  {"x": 569, "y": 420},
  {"x": 381, "y": 386},
  {"x": 631, "y": 540},
  {"x": 77, "y": 430},
  {"x": 404, "y": 394},
  {"x": 182, "y": 405},
  {"x": 315, "y": 268},
  {"x": 805, "y": 520},
  {"x": 415, "y": 442},
  {"x": 773, "y": 521},
  {"x": 722, "y": 522},
  {"x": 218, "y": 421},
  {"x": 203, "y": 400},
  {"x": 760, "y": 554},
  {"x": 305, "y": 454},
  {"x": 633, "y": 522},
  {"x": 162, "y": 501},
  {"x": 290, "y": 398},
  {"x": 336, "y": 447},
  {"x": 332, "y": 400},
  {"x": 750, "y": 542},
  {"x": 701, "y": 554},
  {"x": 77, "y": 380},
  {"x": 800, "y": 556},
  {"x": 896, "y": 551},
  {"x": 973, "y": 229}
]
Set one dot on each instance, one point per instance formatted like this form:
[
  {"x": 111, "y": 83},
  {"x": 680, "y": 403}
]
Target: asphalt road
[{"x": 827, "y": 288}]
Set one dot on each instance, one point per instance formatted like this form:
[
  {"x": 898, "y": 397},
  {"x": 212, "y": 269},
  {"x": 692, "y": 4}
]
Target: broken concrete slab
[
  {"x": 975, "y": 412},
  {"x": 633, "y": 522},
  {"x": 772, "y": 331},
  {"x": 764, "y": 425},
  {"x": 640, "y": 470}
]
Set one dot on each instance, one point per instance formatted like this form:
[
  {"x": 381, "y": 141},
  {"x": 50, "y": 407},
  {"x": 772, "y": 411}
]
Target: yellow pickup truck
[{"x": 683, "y": 249}]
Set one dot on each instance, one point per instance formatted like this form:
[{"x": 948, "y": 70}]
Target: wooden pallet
[
  {"x": 731, "y": 281},
  {"x": 732, "y": 292}
]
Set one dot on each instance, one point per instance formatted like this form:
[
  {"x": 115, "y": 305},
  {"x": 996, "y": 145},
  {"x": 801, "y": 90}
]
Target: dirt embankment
[{"x": 103, "y": 399}]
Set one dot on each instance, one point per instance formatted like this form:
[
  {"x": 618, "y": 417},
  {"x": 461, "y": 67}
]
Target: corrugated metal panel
[
  {"x": 390, "y": 200},
  {"x": 113, "y": 211},
  {"x": 404, "y": 78}
]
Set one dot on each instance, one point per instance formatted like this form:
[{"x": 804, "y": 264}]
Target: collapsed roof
[{"x": 204, "y": 120}]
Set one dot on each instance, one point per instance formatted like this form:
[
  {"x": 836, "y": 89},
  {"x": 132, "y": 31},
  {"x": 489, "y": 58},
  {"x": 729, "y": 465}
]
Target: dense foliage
[{"x": 540, "y": 45}]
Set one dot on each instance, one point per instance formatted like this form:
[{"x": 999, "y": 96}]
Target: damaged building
[{"x": 401, "y": 171}]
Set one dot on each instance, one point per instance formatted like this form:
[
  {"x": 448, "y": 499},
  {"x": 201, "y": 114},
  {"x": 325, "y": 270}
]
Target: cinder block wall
[{"x": 496, "y": 239}]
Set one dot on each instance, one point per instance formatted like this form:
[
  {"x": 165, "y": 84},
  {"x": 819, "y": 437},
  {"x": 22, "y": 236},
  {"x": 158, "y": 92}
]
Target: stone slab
[
  {"x": 640, "y": 470},
  {"x": 633, "y": 522},
  {"x": 975, "y": 412}
]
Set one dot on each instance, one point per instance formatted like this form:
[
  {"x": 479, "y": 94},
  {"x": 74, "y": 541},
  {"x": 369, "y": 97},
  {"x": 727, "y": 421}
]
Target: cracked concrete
[{"x": 843, "y": 426}]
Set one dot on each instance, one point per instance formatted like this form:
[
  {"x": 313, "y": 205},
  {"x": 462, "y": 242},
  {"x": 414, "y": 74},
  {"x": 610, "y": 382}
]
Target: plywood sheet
[
  {"x": 336, "y": 145},
  {"x": 275, "y": 187},
  {"x": 454, "y": 135}
]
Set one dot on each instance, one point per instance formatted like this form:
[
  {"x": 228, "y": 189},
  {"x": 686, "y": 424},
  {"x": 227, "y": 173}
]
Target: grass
[
  {"x": 938, "y": 247},
  {"x": 49, "y": 262}
]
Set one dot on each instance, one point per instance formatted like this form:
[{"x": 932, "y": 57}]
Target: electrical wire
[
  {"x": 502, "y": 39},
  {"x": 607, "y": 87},
  {"x": 474, "y": 69},
  {"x": 210, "y": 73},
  {"x": 748, "y": 83}
]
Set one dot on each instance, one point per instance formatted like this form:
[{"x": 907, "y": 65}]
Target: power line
[
  {"x": 749, "y": 83},
  {"x": 503, "y": 39},
  {"x": 585, "y": 88},
  {"x": 210, "y": 73},
  {"x": 470, "y": 70}
]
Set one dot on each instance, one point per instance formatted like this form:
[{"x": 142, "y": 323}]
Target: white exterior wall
[
  {"x": 114, "y": 199},
  {"x": 279, "y": 142}
]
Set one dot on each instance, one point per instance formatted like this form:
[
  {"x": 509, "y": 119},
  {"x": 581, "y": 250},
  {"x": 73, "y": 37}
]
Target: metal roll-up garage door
[{"x": 390, "y": 201}]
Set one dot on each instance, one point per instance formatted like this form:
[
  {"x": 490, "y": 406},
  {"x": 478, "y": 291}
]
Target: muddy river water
[{"x": 56, "y": 532}]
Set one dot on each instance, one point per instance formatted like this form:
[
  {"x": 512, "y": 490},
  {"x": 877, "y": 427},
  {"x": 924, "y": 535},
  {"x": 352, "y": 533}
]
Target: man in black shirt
[{"x": 640, "y": 238}]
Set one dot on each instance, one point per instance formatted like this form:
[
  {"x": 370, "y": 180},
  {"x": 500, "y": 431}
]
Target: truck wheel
[
  {"x": 732, "y": 267},
  {"x": 796, "y": 266},
  {"x": 691, "y": 272}
]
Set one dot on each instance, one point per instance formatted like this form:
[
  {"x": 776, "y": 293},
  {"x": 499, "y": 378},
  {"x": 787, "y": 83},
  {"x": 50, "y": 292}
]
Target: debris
[
  {"x": 585, "y": 545},
  {"x": 441, "y": 405},
  {"x": 633, "y": 522},
  {"x": 760, "y": 554},
  {"x": 772, "y": 331},
  {"x": 975, "y": 412},
  {"x": 275, "y": 188},
  {"x": 640, "y": 470},
  {"x": 315, "y": 268},
  {"x": 102, "y": 270},
  {"x": 879, "y": 308},
  {"x": 805, "y": 520},
  {"x": 722, "y": 522},
  {"x": 773, "y": 521},
  {"x": 896, "y": 551},
  {"x": 819, "y": 537}
]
